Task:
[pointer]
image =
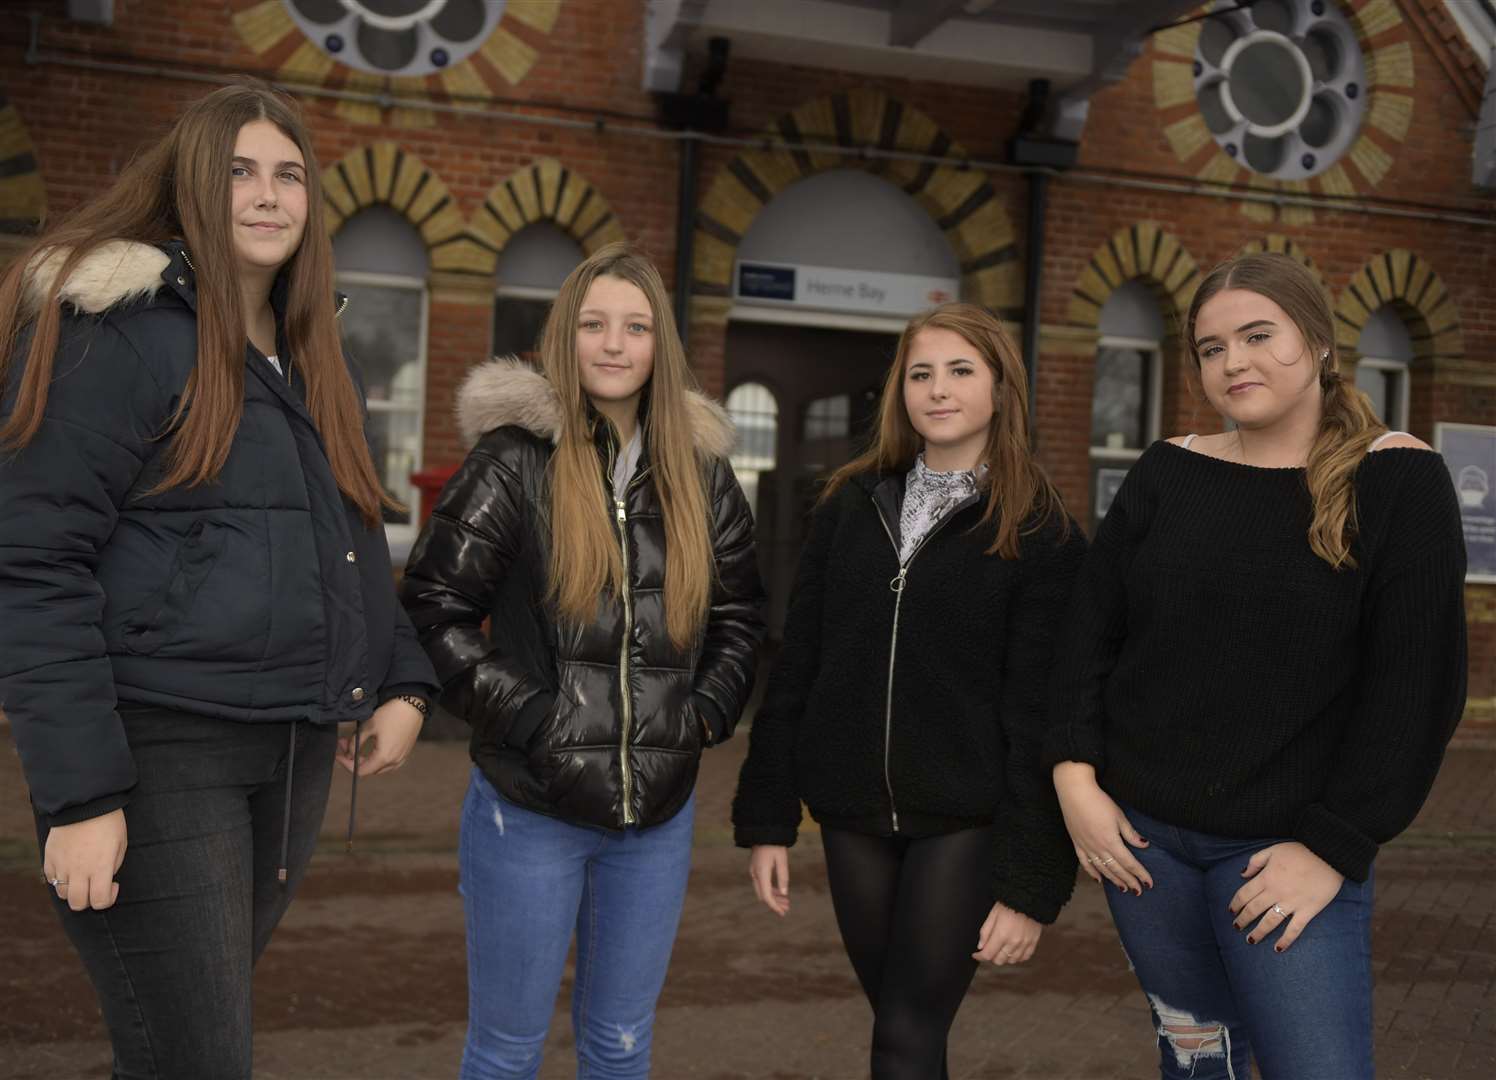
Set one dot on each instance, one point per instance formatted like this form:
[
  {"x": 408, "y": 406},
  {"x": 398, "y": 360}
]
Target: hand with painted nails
[
  {"x": 1099, "y": 829},
  {"x": 769, "y": 867},
  {"x": 1288, "y": 886},
  {"x": 1007, "y": 936}
]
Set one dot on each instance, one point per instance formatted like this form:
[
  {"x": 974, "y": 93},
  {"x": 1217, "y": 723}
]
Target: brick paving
[{"x": 365, "y": 977}]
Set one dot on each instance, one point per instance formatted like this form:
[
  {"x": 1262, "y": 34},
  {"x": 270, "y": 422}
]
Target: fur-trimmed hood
[
  {"x": 505, "y": 390},
  {"x": 114, "y": 273}
]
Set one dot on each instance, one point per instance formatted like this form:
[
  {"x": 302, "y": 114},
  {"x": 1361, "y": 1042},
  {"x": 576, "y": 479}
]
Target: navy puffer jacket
[{"x": 262, "y": 596}]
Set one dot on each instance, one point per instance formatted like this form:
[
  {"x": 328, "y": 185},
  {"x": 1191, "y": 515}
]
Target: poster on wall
[
  {"x": 1470, "y": 452},
  {"x": 1108, "y": 483}
]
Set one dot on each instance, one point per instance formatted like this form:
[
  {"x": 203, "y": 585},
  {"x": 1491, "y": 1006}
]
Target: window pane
[
  {"x": 382, "y": 331},
  {"x": 395, "y": 439},
  {"x": 828, "y": 418},
  {"x": 517, "y": 325},
  {"x": 756, "y": 415},
  {"x": 1119, "y": 403},
  {"x": 1372, "y": 381}
]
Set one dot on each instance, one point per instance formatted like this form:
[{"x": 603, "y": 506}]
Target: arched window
[
  {"x": 1386, "y": 351},
  {"x": 531, "y": 269},
  {"x": 382, "y": 266},
  {"x": 1125, "y": 399},
  {"x": 756, "y": 415}
]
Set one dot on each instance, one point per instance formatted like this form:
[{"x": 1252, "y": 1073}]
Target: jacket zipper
[
  {"x": 620, "y": 515},
  {"x": 897, "y": 584},
  {"x": 625, "y": 696}
]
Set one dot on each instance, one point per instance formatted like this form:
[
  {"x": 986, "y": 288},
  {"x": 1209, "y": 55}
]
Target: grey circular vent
[
  {"x": 1281, "y": 85},
  {"x": 397, "y": 37}
]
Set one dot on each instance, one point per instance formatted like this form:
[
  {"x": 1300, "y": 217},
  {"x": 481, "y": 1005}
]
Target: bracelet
[{"x": 417, "y": 703}]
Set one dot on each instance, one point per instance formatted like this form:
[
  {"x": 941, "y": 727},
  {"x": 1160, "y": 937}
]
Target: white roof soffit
[
  {"x": 1477, "y": 22},
  {"x": 1078, "y": 45},
  {"x": 854, "y": 37}
]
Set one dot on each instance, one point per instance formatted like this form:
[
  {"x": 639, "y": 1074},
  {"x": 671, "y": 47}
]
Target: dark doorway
[{"x": 826, "y": 384}]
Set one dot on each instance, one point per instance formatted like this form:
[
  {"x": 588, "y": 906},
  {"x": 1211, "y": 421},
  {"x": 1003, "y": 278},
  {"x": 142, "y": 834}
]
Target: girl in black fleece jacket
[{"x": 908, "y": 704}]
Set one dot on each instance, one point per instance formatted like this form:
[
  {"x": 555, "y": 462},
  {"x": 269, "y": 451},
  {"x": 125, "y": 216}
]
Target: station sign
[{"x": 824, "y": 288}]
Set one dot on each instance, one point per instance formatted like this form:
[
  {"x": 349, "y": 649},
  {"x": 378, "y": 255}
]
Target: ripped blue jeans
[
  {"x": 528, "y": 882},
  {"x": 1304, "y": 1014}
]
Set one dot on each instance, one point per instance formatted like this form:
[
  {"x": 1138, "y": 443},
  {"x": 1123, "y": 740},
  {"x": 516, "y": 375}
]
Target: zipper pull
[
  {"x": 622, "y": 513},
  {"x": 897, "y": 584}
]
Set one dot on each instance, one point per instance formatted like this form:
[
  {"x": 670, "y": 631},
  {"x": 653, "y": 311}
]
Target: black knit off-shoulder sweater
[{"x": 1222, "y": 677}]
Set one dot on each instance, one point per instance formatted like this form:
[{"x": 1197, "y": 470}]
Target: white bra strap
[
  {"x": 1383, "y": 437},
  {"x": 1187, "y": 440}
]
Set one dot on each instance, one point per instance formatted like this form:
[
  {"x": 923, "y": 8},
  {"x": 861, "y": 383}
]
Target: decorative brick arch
[
  {"x": 1410, "y": 285},
  {"x": 23, "y": 196},
  {"x": 383, "y": 174},
  {"x": 961, "y": 201},
  {"x": 1408, "y": 282},
  {"x": 544, "y": 191},
  {"x": 1143, "y": 251},
  {"x": 1282, "y": 245}
]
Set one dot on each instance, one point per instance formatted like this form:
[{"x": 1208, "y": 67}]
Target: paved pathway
[{"x": 365, "y": 977}]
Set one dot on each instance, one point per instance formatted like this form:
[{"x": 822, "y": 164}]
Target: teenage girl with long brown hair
[
  {"x": 1265, "y": 658},
  {"x": 598, "y": 524},
  {"x": 193, "y": 571},
  {"x": 907, "y": 706}
]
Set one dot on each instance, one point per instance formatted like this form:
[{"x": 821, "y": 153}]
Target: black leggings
[{"x": 910, "y": 912}]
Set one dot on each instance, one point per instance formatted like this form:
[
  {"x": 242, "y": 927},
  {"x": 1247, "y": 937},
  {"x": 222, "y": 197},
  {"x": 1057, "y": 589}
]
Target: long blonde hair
[
  {"x": 1021, "y": 497},
  {"x": 585, "y": 557},
  {"x": 1348, "y": 424},
  {"x": 178, "y": 188}
]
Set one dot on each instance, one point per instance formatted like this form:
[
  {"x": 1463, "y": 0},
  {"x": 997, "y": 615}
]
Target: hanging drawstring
[
  {"x": 358, "y": 727},
  {"x": 282, "y": 874}
]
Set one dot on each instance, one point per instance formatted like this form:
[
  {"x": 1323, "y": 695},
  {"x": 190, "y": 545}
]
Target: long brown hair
[
  {"x": 1348, "y": 424},
  {"x": 179, "y": 188},
  {"x": 1021, "y": 497},
  {"x": 585, "y": 557}
]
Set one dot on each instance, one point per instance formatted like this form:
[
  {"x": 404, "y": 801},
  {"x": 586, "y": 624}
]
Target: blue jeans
[
  {"x": 1304, "y": 1014},
  {"x": 527, "y": 882}
]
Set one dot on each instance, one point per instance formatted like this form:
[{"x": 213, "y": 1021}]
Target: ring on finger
[
  {"x": 1277, "y": 910},
  {"x": 1094, "y": 859},
  {"x": 1108, "y": 861}
]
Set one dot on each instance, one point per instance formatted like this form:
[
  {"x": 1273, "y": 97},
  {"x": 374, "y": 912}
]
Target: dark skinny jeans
[{"x": 199, "y": 893}]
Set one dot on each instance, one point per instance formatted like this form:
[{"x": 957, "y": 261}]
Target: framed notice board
[{"x": 1470, "y": 452}]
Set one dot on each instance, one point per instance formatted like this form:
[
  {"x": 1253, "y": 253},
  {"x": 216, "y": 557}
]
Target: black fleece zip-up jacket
[{"x": 917, "y": 706}]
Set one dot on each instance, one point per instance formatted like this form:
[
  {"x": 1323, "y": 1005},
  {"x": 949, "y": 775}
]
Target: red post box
[{"x": 429, "y": 482}]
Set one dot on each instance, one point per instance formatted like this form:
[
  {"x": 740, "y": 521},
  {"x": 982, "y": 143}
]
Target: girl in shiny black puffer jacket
[{"x": 598, "y": 526}]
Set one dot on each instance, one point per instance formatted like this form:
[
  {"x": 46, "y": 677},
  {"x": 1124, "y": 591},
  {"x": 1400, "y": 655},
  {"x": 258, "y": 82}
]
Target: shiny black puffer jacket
[{"x": 601, "y": 724}]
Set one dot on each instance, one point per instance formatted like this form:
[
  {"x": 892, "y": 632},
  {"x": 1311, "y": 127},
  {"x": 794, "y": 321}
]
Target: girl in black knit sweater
[
  {"x": 1264, "y": 660},
  {"x": 908, "y": 705}
]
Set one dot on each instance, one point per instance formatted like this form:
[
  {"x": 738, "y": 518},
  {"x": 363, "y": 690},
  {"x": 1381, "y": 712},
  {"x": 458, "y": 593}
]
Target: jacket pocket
[{"x": 153, "y": 622}]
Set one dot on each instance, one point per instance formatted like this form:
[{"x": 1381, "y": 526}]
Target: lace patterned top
[{"x": 928, "y": 497}]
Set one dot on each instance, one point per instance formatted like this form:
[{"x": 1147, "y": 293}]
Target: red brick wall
[{"x": 86, "y": 124}]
